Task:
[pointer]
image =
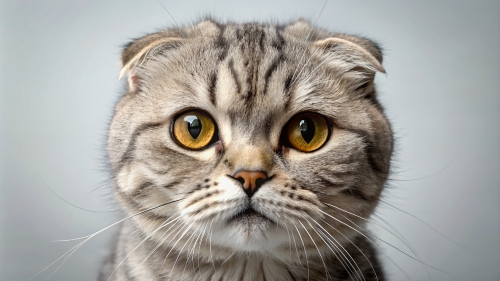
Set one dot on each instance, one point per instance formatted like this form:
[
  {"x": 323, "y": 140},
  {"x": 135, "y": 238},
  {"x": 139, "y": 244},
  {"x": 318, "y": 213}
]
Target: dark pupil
[
  {"x": 307, "y": 129},
  {"x": 194, "y": 125}
]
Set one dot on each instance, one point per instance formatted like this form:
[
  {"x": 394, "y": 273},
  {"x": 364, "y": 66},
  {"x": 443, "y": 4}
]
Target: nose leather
[{"x": 251, "y": 180}]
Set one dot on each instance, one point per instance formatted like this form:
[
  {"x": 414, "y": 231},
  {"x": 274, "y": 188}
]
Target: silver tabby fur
[{"x": 251, "y": 78}]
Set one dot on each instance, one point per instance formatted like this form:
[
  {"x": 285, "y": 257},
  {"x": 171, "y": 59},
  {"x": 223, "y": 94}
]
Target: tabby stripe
[
  {"x": 280, "y": 43},
  {"x": 234, "y": 75},
  {"x": 238, "y": 34},
  {"x": 172, "y": 184},
  {"x": 261, "y": 41},
  {"x": 287, "y": 91},
  {"x": 355, "y": 192},
  {"x": 136, "y": 207},
  {"x": 251, "y": 79},
  {"x": 274, "y": 65},
  {"x": 142, "y": 187},
  {"x": 291, "y": 275},
  {"x": 334, "y": 173},
  {"x": 212, "y": 87},
  {"x": 373, "y": 100},
  {"x": 221, "y": 42},
  {"x": 150, "y": 168},
  {"x": 128, "y": 154},
  {"x": 329, "y": 183},
  {"x": 370, "y": 149}
]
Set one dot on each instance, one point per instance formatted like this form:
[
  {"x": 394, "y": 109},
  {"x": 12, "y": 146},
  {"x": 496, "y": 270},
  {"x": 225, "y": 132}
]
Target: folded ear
[
  {"x": 349, "y": 53},
  {"x": 372, "y": 47},
  {"x": 139, "y": 49},
  {"x": 354, "y": 58}
]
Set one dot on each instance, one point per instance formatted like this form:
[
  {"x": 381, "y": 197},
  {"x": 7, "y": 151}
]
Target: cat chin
[{"x": 254, "y": 234}]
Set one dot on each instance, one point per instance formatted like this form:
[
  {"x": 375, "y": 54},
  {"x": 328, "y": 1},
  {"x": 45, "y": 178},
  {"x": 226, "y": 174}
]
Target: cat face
[{"x": 252, "y": 137}]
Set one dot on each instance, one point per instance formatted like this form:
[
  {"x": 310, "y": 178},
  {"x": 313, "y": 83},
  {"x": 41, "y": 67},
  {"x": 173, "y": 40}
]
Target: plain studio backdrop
[{"x": 59, "y": 68}]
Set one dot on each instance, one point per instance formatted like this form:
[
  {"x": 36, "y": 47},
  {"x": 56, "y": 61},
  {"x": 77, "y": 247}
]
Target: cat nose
[{"x": 251, "y": 180}]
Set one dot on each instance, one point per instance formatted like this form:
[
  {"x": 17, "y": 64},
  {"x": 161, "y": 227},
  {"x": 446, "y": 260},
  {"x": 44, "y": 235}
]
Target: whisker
[
  {"x": 180, "y": 251},
  {"x": 403, "y": 239},
  {"x": 289, "y": 241},
  {"x": 307, "y": 39},
  {"x": 319, "y": 252},
  {"x": 229, "y": 257},
  {"x": 422, "y": 221},
  {"x": 297, "y": 250},
  {"x": 368, "y": 240},
  {"x": 305, "y": 251},
  {"x": 173, "y": 246},
  {"x": 343, "y": 257},
  {"x": 163, "y": 239},
  {"x": 352, "y": 243},
  {"x": 106, "y": 182},
  {"x": 199, "y": 245},
  {"x": 178, "y": 228},
  {"x": 171, "y": 18},
  {"x": 158, "y": 244},
  {"x": 192, "y": 251},
  {"x": 78, "y": 207},
  {"x": 396, "y": 248},
  {"x": 381, "y": 226},
  {"x": 138, "y": 245},
  {"x": 88, "y": 237},
  {"x": 210, "y": 239}
]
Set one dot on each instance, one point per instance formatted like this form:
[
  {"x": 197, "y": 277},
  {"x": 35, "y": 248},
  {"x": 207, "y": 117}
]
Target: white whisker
[
  {"x": 173, "y": 246},
  {"x": 157, "y": 246},
  {"x": 88, "y": 237},
  {"x": 368, "y": 240},
  {"x": 352, "y": 243},
  {"x": 343, "y": 258},
  {"x": 144, "y": 240},
  {"x": 305, "y": 251},
  {"x": 381, "y": 226},
  {"x": 319, "y": 252}
]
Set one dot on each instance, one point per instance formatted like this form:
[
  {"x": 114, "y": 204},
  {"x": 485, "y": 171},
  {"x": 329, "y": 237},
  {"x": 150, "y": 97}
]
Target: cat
[{"x": 248, "y": 151}]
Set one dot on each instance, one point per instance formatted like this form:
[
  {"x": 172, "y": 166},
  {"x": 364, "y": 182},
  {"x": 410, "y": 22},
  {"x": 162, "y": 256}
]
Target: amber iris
[
  {"x": 194, "y": 129},
  {"x": 307, "y": 132}
]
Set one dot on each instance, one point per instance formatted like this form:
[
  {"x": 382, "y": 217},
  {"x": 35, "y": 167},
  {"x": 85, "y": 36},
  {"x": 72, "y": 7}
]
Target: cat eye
[
  {"x": 306, "y": 132},
  {"x": 194, "y": 129}
]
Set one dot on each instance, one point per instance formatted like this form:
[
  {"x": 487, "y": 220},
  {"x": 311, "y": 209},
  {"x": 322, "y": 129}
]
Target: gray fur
[{"x": 251, "y": 78}]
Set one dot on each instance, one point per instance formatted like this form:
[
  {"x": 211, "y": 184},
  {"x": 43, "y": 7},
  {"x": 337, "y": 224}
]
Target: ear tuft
[{"x": 133, "y": 82}]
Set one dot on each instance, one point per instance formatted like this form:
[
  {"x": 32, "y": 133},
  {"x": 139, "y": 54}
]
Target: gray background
[{"x": 59, "y": 65}]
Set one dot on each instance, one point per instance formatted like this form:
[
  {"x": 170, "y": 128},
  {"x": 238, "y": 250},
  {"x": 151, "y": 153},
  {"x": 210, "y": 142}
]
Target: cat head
[{"x": 250, "y": 135}]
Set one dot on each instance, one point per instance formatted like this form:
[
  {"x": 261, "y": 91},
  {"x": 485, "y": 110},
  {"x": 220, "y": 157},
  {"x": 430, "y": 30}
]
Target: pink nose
[{"x": 251, "y": 180}]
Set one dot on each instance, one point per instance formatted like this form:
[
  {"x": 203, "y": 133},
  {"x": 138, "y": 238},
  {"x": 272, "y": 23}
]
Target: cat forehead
[
  {"x": 252, "y": 71},
  {"x": 236, "y": 68}
]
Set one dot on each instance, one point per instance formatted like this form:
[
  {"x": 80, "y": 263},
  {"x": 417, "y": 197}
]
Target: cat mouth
[{"x": 249, "y": 215}]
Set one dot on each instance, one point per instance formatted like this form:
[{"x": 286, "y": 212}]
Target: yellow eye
[
  {"x": 306, "y": 132},
  {"x": 194, "y": 129}
]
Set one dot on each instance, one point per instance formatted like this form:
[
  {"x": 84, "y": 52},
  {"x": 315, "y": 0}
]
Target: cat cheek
[{"x": 127, "y": 179}]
